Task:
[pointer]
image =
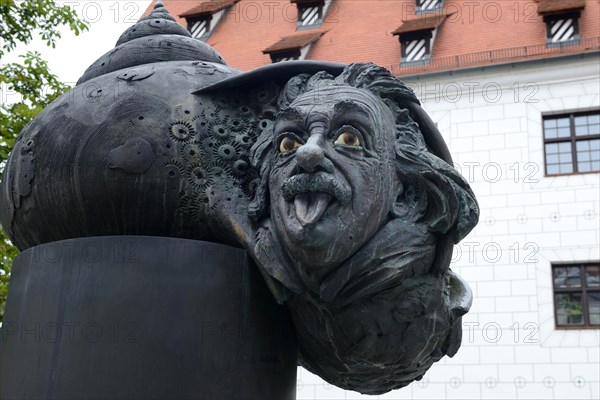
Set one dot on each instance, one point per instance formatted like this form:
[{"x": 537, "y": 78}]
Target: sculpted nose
[{"x": 311, "y": 156}]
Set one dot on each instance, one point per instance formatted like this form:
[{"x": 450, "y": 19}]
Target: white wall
[{"x": 492, "y": 122}]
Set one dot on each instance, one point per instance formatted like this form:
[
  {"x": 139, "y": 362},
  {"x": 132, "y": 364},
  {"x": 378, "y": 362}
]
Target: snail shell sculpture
[{"x": 160, "y": 137}]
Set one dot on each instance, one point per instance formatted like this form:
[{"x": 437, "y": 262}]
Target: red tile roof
[
  {"x": 478, "y": 34},
  {"x": 497, "y": 56},
  {"x": 423, "y": 22},
  {"x": 208, "y": 7},
  {"x": 294, "y": 42},
  {"x": 552, "y": 6}
]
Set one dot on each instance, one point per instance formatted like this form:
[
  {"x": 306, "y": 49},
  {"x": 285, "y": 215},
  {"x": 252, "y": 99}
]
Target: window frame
[
  {"x": 192, "y": 20},
  {"x": 309, "y": 4},
  {"x": 548, "y": 19},
  {"x": 583, "y": 290},
  {"x": 419, "y": 10},
  {"x": 573, "y": 138},
  {"x": 408, "y": 37}
]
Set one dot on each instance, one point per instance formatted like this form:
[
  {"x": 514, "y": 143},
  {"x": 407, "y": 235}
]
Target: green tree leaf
[{"x": 31, "y": 79}]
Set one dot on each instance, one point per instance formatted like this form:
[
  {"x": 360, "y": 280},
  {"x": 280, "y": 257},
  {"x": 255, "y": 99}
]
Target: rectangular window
[
  {"x": 572, "y": 143},
  {"x": 310, "y": 14},
  {"x": 416, "y": 47},
  {"x": 199, "y": 27},
  {"x": 424, "y": 6},
  {"x": 577, "y": 295},
  {"x": 562, "y": 29}
]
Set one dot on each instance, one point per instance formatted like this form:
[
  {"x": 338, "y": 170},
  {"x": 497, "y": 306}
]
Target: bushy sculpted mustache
[{"x": 315, "y": 182}]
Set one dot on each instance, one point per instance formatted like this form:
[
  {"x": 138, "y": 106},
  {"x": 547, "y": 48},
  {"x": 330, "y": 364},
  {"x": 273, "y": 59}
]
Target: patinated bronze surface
[
  {"x": 143, "y": 317},
  {"x": 331, "y": 177},
  {"x": 361, "y": 213}
]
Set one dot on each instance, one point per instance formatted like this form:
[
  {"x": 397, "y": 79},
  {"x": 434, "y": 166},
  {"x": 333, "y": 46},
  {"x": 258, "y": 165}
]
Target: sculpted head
[
  {"x": 332, "y": 182},
  {"x": 363, "y": 206},
  {"x": 345, "y": 157}
]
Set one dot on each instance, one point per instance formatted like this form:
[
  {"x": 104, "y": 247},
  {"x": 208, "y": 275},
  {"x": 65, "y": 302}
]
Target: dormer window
[
  {"x": 204, "y": 17},
  {"x": 199, "y": 27},
  {"x": 562, "y": 21},
  {"x": 417, "y": 37},
  {"x": 416, "y": 47},
  {"x": 311, "y": 13},
  {"x": 562, "y": 29},
  {"x": 295, "y": 47},
  {"x": 425, "y": 6}
]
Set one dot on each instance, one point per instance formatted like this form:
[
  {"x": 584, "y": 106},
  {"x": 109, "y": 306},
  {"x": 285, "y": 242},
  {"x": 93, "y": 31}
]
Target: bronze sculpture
[
  {"x": 363, "y": 210},
  {"x": 331, "y": 177}
]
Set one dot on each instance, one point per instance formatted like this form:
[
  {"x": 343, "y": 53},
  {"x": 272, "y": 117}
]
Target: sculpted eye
[
  {"x": 288, "y": 144},
  {"x": 348, "y": 139}
]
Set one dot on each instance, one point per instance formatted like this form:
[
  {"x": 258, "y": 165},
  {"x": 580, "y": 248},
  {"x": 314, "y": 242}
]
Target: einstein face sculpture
[
  {"x": 361, "y": 207},
  {"x": 332, "y": 183}
]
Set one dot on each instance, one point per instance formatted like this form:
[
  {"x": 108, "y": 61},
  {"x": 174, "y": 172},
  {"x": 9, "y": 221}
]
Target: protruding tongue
[{"x": 310, "y": 206}]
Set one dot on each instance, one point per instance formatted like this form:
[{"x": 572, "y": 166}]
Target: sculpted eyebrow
[
  {"x": 291, "y": 114},
  {"x": 348, "y": 111},
  {"x": 289, "y": 120}
]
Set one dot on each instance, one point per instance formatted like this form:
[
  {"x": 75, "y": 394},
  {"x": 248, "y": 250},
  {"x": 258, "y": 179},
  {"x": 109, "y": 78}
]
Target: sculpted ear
[
  {"x": 433, "y": 193},
  {"x": 454, "y": 207},
  {"x": 467, "y": 209}
]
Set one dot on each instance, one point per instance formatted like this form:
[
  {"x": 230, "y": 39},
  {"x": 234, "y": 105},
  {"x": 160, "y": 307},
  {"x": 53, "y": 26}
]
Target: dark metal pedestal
[{"x": 143, "y": 317}]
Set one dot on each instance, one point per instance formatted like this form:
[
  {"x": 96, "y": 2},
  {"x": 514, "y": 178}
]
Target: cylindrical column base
[{"x": 131, "y": 317}]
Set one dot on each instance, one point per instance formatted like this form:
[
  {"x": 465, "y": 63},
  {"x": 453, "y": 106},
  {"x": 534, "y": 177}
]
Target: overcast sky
[{"x": 73, "y": 54}]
